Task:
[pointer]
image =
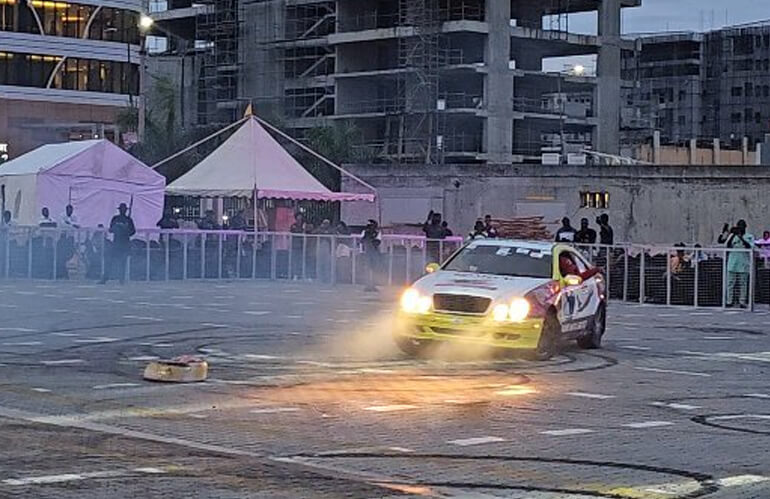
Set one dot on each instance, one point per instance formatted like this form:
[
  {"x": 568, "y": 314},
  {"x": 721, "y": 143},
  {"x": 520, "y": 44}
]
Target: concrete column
[
  {"x": 717, "y": 152},
  {"x": 656, "y": 147},
  {"x": 498, "y": 131},
  {"x": 607, "y": 135},
  {"x": 745, "y": 150},
  {"x": 693, "y": 152}
]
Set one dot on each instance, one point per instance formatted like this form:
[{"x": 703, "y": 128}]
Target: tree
[{"x": 336, "y": 143}]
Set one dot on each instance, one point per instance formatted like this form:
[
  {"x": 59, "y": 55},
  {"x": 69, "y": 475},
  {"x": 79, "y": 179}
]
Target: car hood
[{"x": 490, "y": 286}]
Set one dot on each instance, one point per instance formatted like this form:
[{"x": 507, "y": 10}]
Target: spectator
[
  {"x": 122, "y": 229},
  {"x": 699, "y": 255},
  {"x": 168, "y": 221},
  {"x": 434, "y": 233},
  {"x": 447, "y": 231},
  {"x": 69, "y": 220},
  {"x": 7, "y": 220},
  {"x": 739, "y": 264},
  {"x": 586, "y": 235},
  {"x": 371, "y": 239},
  {"x": 764, "y": 247},
  {"x": 238, "y": 222},
  {"x": 298, "y": 227},
  {"x": 433, "y": 227},
  {"x": 342, "y": 229},
  {"x": 606, "y": 235},
  {"x": 567, "y": 233},
  {"x": 488, "y": 228},
  {"x": 209, "y": 221},
  {"x": 325, "y": 227},
  {"x": 678, "y": 261},
  {"x": 45, "y": 219},
  {"x": 479, "y": 232}
]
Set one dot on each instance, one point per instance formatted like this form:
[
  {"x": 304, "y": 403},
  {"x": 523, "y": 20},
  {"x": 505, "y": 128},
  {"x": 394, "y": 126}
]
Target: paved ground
[{"x": 308, "y": 398}]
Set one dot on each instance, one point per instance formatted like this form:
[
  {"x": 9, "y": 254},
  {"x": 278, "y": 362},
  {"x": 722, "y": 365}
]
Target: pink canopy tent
[
  {"x": 249, "y": 162},
  {"x": 94, "y": 176}
]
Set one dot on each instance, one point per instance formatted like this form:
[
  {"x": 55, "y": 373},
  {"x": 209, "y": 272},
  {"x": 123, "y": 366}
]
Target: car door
[
  {"x": 587, "y": 293},
  {"x": 568, "y": 305}
]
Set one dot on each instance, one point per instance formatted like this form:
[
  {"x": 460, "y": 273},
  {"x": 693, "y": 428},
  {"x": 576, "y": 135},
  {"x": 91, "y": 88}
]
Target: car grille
[{"x": 464, "y": 304}]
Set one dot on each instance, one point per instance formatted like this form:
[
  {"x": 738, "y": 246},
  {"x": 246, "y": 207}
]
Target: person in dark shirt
[
  {"x": 209, "y": 222},
  {"x": 478, "y": 231},
  {"x": 168, "y": 221},
  {"x": 606, "y": 235},
  {"x": 238, "y": 222},
  {"x": 371, "y": 240},
  {"x": 434, "y": 232},
  {"x": 566, "y": 234},
  {"x": 122, "y": 229},
  {"x": 586, "y": 235}
]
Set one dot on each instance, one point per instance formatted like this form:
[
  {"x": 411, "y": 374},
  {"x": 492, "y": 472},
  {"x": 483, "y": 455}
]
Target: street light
[{"x": 145, "y": 22}]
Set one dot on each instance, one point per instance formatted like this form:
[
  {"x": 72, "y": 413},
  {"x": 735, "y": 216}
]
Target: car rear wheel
[
  {"x": 549, "y": 338},
  {"x": 594, "y": 337}
]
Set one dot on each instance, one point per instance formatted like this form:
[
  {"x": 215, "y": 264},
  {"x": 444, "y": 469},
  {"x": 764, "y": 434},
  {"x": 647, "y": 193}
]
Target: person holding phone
[
  {"x": 739, "y": 264},
  {"x": 722, "y": 239}
]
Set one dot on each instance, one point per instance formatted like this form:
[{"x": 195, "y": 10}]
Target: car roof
[{"x": 546, "y": 246}]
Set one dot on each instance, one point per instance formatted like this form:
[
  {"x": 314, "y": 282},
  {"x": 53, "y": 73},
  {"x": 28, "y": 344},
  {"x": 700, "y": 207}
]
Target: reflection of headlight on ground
[
  {"x": 517, "y": 311},
  {"x": 413, "y": 303}
]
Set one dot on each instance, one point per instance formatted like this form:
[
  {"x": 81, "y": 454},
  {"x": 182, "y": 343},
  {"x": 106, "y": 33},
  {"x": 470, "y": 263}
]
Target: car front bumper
[{"x": 471, "y": 329}]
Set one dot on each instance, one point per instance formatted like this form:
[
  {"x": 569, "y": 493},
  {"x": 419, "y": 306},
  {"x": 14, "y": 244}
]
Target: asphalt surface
[{"x": 308, "y": 397}]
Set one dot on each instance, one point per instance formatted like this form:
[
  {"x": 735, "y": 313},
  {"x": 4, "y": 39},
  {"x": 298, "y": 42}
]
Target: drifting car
[{"x": 501, "y": 294}]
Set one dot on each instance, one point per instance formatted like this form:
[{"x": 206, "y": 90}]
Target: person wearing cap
[{"x": 122, "y": 228}]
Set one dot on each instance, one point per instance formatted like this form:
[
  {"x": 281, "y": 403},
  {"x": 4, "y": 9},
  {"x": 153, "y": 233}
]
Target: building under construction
[{"x": 422, "y": 81}]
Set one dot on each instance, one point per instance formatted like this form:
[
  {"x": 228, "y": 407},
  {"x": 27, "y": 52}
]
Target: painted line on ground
[
  {"x": 142, "y": 318},
  {"x": 66, "y": 335},
  {"x": 115, "y": 385},
  {"x": 41, "y": 390},
  {"x": 672, "y": 371},
  {"x": 74, "y": 477},
  {"x": 63, "y": 362},
  {"x": 741, "y": 480},
  {"x": 591, "y": 395},
  {"x": 23, "y": 344},
  {"x": 647, "y": 424},
  {"x": 256, "y": 312},
  {"x": 465, "y": 442},
  {"x": 19, "y": 329},
  {"x": 275, "y": 410},
  {"x": 567, "y": 432},
  {"x": 144, "y": 358},
  {"x": 634, "y": 347},
  {"x": 758, "y": 395},
  {"x": 98, "y": 339},
  {"x": 390, "y": 408},
  {"x": 684, "y": 407}
]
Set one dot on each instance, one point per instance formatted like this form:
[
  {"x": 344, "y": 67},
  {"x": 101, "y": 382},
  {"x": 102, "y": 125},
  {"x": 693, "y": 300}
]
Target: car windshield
[{"x": 502, "y": 260}]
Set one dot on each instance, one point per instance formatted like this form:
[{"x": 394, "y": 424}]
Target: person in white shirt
[
  {"x": 45, "y": 219},
  {"x": 69, "y": 220}
]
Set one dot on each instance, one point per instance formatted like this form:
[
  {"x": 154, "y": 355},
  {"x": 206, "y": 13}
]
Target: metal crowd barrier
[
  {"x": 696, "y": 277},
  {"x": 157, "y": 255}
]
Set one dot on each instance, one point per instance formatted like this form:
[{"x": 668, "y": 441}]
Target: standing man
[
  {"x": 7, "y": 221},
  {"x": 567, "y": 233},
  {"x": 606, "y": 235},
  {"x": 122, "y": 229},
  {"x": 434, "y": 232},
  {"x": 371, "y": 239},
  {"x": 586, "y": 235},
  {"x": 45, "y": 219},
  {"x": 491, "y": 231},
  {"x": 69, "y": 220},
  {"x": 739, "y": 264}
]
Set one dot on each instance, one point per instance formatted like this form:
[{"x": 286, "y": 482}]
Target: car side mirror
[
  {"x": 573, "y": 280},
  {"x": 432, "y": 267}
]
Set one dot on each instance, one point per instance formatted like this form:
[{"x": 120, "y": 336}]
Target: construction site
[{"x": 420, "y": 81}]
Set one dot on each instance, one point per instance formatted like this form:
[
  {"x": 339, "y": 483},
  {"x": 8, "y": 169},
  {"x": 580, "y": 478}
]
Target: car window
[
  {"x": 581, "y": 264},
  {"x": 502, "y": 260}
]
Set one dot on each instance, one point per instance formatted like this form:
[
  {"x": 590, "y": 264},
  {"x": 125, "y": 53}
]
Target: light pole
[{"x": 145, "y": 24}]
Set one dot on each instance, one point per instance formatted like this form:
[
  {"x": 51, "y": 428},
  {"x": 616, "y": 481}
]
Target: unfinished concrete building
[{"x": 422, "y": 81}]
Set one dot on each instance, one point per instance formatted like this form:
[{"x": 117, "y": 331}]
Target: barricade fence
[{"x": 696, "y": 277}]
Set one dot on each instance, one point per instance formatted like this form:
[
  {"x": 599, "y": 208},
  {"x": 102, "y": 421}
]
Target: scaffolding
[
  {"x": 418, "y": 118},
  {"x": 218, "y": 29}
]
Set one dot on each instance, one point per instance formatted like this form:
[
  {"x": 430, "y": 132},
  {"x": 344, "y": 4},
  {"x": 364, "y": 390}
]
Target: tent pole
[
  {"x": 206, "y": 139},
  {"x": 315, "y": 154}
]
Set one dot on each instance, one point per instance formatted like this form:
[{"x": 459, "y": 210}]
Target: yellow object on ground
[{"x": 177, "y": 371}]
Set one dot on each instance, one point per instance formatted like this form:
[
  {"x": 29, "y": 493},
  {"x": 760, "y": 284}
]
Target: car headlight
[
  {"x": 413, "y": 303},
  {"x": 517, "y": 311}
]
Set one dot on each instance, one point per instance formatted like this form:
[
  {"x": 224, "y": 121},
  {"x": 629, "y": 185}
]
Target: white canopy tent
[
  {"x": 252, "y": 163},
  {"x": 94, "y": 176}
]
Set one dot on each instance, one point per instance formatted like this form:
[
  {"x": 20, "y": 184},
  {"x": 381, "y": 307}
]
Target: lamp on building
[
  {"x": 145, "y": 22},
  {"x": 578, "y": 70}
]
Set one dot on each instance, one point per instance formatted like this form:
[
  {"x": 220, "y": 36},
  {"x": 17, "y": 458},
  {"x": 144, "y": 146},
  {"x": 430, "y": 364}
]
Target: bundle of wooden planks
[{"x": 526, "y": 228}]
